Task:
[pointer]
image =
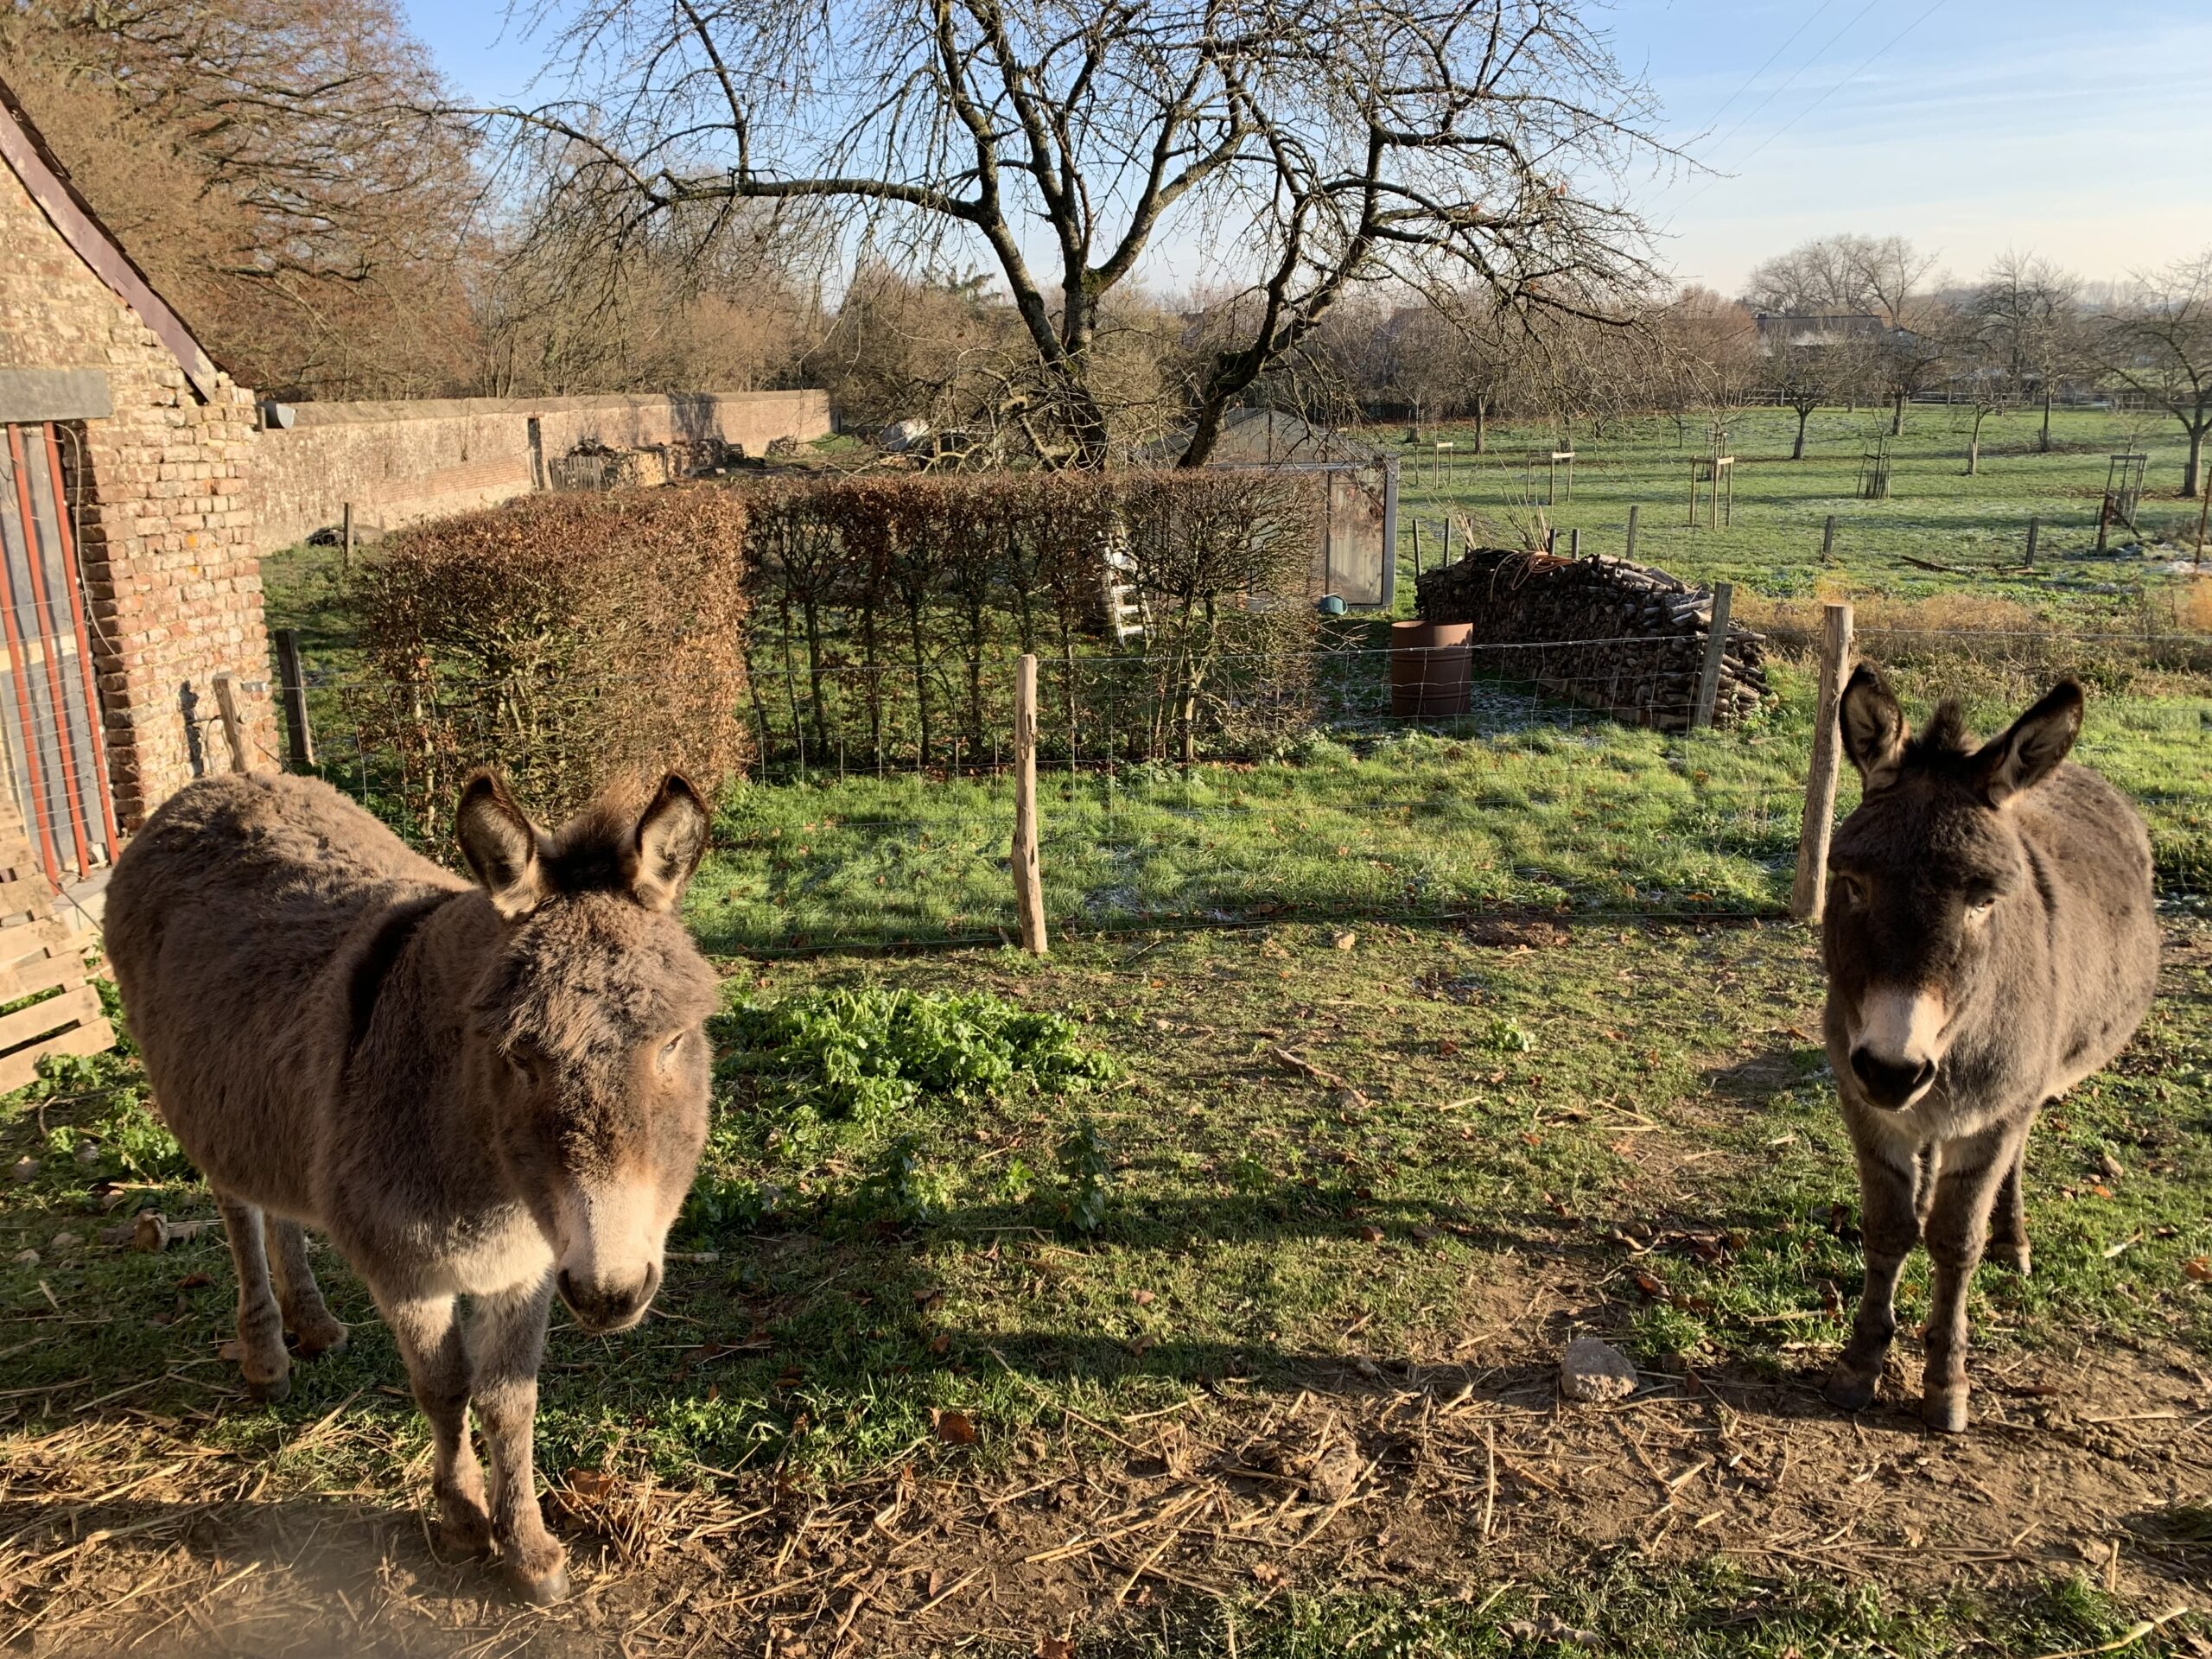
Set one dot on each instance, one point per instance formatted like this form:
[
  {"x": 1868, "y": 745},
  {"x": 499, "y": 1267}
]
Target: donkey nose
[
  {"x": 608, "y": 1304},
  {"x": 1890, "y": 1082}
]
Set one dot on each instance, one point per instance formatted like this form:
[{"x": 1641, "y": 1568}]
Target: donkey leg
[
  {"x": 306, "y": 1315},
  {"x": 1889, "y": 1227},
  {"x": 2008, "y": 1225},
  {"x": 262, "y": 1359},
  {"x": 428, "y": 1332},
  {"x": 506, "y": 1340},
  {"x": 1958, "y": 1230}
]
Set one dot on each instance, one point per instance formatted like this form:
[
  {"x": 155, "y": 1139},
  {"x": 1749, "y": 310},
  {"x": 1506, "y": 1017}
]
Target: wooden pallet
[{"x": 39, "y": 953}]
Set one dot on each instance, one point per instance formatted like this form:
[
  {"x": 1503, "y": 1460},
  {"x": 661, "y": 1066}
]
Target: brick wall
[
  {"x": 401, "y": 462},
  {"x": 171, "y": 576}
]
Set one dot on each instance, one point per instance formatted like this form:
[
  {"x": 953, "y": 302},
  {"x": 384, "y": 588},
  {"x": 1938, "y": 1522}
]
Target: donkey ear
[
  {"x": 2029, "y": 749},
  {"x": 500, "y": 844},
  {"x": 1873, "y": 728},
  {"x": 667, "y": 844}
]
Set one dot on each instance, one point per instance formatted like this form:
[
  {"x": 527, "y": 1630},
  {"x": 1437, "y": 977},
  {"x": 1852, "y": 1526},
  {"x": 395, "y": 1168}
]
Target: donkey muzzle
[
  {"x": 1890, "y": 1084},
  {"x": 602, "y": 1305}
]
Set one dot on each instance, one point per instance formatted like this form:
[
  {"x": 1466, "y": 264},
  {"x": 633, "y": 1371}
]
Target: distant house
[
  {"x": 129, "y": 582},
  {"x": 1351, "y": 558},
  {"x": 1779, "y": 331}
]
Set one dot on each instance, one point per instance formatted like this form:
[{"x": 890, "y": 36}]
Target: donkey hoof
[
  {"x": 271, "y": 1391},
  {"x": 2017, "y": 1258},
  {"x": 1945, "y": 1409},
  {"x": 466, "y": 1531},
  {"x": 1849, "y": 1390},
  {"x": 318, "y": 1340},
  {"x": 543, "y": 1588}
]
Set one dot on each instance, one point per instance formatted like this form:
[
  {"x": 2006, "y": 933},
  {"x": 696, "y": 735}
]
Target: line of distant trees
[{"x": 735, "y": 194}]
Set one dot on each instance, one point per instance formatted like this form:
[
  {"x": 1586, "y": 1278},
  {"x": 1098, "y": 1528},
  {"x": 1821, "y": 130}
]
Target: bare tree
[
  {"x": 268, "y": 161},
  {"x": 2159, "y": 341},
  {"x": 1803, "y": 368},
  {"x": 1841, "y": 275},
  {"x": 2027, "y": 313},
  {"x": 1708, "y": 354},
  {"x": 1309, "y": 148}
]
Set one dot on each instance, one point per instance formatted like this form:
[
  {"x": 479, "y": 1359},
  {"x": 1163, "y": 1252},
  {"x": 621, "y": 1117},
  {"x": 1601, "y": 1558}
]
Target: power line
[
  {"x": 1715, "y": 118},
  {"x": 1868, "y": 63},
  {"x": 1877, "y": 52},
  {"x": 1794, "y": 74}
]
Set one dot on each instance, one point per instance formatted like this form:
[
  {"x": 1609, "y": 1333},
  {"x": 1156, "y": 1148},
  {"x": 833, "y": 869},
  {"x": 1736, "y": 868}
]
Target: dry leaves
[{"x": 954, "y": 1428}]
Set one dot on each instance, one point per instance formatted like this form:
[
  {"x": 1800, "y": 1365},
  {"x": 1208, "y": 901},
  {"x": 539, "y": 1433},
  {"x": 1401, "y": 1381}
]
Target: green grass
[
  {"x": 1977, "y": 526},
  {"x": 1530, "y": 808}
]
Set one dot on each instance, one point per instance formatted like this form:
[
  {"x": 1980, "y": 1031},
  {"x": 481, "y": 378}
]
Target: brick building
[{"x": 131, "y": 590}]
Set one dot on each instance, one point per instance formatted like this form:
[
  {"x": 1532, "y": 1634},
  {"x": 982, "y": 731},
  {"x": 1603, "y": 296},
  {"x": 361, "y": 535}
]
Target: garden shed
[
  {"x": 130, "y": 593},
  {"x": 1352, "y": 556}
]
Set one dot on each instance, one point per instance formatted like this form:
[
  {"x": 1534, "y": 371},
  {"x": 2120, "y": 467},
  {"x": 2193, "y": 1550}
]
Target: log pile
[{"x": 1608, "y": 634}]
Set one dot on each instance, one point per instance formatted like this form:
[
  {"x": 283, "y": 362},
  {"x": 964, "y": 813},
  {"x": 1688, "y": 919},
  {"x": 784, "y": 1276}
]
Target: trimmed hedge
[
  {"x": 567, "y": 639},
  {"x": 888, "y": 611}
]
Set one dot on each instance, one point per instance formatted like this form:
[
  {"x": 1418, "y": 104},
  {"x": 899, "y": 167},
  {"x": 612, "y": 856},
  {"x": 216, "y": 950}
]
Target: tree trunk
[
  {"x": 2043, "y": 443},
  {"x": 1896, "y": 417},
  {"x": 2192, "y": 478},
  {"x": 1973, "y": 444},
  {"x": 1798, "y": 453},
  {"x": 1482, "y": 413}
]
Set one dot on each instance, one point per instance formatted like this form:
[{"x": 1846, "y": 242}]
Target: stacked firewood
[{"x": 1608, "y": 634}]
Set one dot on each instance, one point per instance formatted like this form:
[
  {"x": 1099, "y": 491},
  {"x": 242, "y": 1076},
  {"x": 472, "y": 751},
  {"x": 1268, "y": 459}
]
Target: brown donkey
[
  {"x": 496, "y": 1091},
  {"x": 1989, "y": 941}
]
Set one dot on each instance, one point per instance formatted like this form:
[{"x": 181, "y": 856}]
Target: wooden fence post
[
  {"x": 1630, "y": 552},
  {"x": 1809, "y": 894},
  {"x": 2035, "y": 524},
  {"x": 1716, "y": 647},
  {"x": 1028, "y": 880},
  {"x": 299, "y": 741},
  {"x": 1575, "y": 543},
  {"x": 1827, "y": 540},
  {"x": 226, "y": 705}
]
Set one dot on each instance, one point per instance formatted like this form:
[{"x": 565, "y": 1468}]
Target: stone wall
[
  {"x": 171, "y": 578},
  {"x": 1637, "y": 635},
  {"x": 401, "y": 462}
]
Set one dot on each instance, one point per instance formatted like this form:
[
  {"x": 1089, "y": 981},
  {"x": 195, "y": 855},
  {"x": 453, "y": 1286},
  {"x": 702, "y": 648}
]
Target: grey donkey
[
  {"x": 496, "y": 1091},
  {"x": 1989, "y": 941}
]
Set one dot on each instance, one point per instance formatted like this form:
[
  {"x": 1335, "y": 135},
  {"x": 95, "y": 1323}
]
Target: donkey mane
[
  {"x": 1945, "y": 737},
  {"x": 590, "y": 852}
]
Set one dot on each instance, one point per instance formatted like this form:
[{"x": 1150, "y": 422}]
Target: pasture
[{"x": 1975, "y": 527}]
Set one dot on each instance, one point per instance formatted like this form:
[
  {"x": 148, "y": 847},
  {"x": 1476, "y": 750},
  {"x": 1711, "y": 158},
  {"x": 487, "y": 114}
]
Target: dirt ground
[{"x": 1460, "y": 1472}]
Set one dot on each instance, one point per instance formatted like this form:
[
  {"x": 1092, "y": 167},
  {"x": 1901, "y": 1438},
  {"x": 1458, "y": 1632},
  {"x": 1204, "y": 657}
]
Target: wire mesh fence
[{"x": 1345, "y": 784}]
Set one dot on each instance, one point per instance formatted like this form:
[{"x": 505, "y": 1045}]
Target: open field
[
  {"x": 1977, "y": 527},
  {"x": 1292, "y": 1395}
]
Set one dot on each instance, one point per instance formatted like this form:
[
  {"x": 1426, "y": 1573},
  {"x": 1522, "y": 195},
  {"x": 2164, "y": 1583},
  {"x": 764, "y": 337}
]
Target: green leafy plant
[
  {"x": 897, "y": 1191},
  {"x": 1085, "y": 1171},
  {"x": 864, "y": 1056},
  {"x": 1505, "y": 1036}
]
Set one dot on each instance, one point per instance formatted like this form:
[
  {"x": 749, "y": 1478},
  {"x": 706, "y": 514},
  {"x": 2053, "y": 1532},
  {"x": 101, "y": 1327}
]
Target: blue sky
[{"x": 2078, "y": 130}]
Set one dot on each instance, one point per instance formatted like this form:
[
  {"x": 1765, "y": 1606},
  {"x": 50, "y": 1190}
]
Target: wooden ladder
[{"x": 40, "y": 955}]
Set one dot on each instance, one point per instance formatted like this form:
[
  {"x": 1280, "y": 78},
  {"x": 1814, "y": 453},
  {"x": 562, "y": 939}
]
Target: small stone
[
  {"x": 25, "y": 1258},
  {"x": 1595, "y": 1372},
  {"x": 67, "y": 1241},
  {"x": 88, "y": 1152},
  {"x": 25, "y": 1168}
]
